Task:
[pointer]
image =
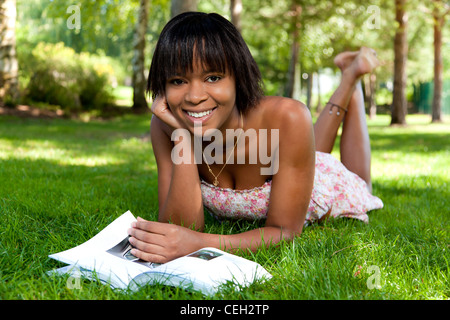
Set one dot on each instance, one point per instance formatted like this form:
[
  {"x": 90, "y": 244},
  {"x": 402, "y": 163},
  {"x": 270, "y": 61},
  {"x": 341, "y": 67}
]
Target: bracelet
[{"x": 333, "y": 105}]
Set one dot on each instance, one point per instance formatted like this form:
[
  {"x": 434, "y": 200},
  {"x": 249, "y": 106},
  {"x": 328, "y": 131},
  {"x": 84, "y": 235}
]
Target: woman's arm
[
  {"x": 161, "y": 242},
  {"x": 292, "y": 185},
  {"x": 179, "y": 193},
  {"x": 290, "y": 196}
]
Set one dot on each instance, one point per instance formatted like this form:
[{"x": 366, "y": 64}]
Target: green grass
[{"x": 62, "y": 181}]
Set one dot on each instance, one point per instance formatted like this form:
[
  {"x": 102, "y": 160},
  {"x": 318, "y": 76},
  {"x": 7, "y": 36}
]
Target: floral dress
[{"x": 335, "y": 188}]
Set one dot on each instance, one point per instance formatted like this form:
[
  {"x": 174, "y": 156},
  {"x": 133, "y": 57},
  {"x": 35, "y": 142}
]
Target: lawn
[{"x": 62, "y": 181}]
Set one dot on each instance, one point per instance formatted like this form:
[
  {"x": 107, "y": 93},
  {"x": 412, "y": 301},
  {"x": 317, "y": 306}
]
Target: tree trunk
[
  {"x": 438, "y": 66},
  {"x": 292, "y": 75},
  {"x": 399, "y": 106},
  {"x": 180, "y": 6},
  {"x": 138, "y": 80},
  {"x": 9, "y": 70},
  {"x": 236, "y": 10}
]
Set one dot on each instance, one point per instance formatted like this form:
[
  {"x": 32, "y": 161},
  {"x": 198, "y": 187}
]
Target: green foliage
[
  {"x": 60, "y": 76},
  {"x": 326, "y": 28}
]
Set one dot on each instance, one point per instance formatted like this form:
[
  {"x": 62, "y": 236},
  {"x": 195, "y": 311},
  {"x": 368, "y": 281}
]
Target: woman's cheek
[{"x": 226, "y": 95}]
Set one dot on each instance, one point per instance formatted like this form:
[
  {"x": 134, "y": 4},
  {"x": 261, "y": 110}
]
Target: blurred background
[{"x": 87, "y": 56}]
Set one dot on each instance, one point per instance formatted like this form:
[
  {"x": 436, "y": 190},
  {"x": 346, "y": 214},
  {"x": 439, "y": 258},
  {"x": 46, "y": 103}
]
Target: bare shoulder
[
  {"x": 296, "y": 133},
  {"x": 285, "y": 113}
]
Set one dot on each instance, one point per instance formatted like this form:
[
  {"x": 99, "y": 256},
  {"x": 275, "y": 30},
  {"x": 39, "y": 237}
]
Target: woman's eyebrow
[
  {"x": 208, "y": 71},
  {"x": 203, "y": 73},
  {"x": 177, "y": 74}
]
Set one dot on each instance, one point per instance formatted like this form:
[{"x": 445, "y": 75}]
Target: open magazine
[{"x": 107, "y": 257}]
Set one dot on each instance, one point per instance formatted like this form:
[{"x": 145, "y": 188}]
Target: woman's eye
[
  {"x": 213, "y": 78},
  {"x": 176, "y": 82}
]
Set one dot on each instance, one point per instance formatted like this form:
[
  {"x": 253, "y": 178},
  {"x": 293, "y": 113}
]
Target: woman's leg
[{"x": 355, "y": 144}]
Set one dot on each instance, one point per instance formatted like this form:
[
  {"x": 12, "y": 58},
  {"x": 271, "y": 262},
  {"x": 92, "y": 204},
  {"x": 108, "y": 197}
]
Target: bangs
[
  {"x": 194, "y": 43},
  {"x": 186, "y": 51}
]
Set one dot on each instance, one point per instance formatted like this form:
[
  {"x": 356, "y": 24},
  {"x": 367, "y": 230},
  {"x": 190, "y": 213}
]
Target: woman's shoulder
[
  {"x": 283, "y": 112},
  {"x": 275, "y": 103}
]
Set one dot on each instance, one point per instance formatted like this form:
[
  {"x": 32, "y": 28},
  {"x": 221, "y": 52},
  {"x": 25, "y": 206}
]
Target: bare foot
[
  {"x": 344, "y": 59},
  {"x": 357, "y": 62}
]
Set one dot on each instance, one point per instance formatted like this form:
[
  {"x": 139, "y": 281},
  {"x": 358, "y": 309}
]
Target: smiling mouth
[{"x": 199, "y": 115}]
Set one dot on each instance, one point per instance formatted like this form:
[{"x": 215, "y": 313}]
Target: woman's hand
[
  {"x": 160, "y": 108},
  {"x": 161, "y": 242}
]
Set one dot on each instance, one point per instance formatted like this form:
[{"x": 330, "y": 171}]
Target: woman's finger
[
  {"x": 150, "y": 226},
  {"x": 147, "y": 236},
  {"x": 150, "y": 257},
  {"x": 158, "y": 104},
  {"x": 160, "y": 108},
  {"x": 146, "y": 246}
]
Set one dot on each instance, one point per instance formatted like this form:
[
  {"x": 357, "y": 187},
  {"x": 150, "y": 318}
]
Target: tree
[
  {"x": 138, "y": 62},
  {"x": 106, "y": 25},
  {"x": 293, "y": 71},
  {"x": 9, "y": 88},
  {"x": 235, "y": 10},
  {"x": 180, "y": 6},
  {"x": 399, "y": 106},
  {"x": 440, "y": 10}
]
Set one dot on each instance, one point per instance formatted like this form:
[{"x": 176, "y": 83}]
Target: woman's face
[{"x": 203, "y": 97}]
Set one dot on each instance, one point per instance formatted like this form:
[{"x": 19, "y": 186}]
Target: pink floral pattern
[{"x": 335, "y": 188}]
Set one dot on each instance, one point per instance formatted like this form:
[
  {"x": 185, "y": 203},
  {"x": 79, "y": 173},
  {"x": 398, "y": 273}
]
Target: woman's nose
[{"x": 196, "y": 93}]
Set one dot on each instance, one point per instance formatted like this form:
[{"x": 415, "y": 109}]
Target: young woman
[{"x": 204, "y": 79}]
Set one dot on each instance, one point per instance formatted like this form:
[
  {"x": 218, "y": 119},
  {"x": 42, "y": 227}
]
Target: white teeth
[{"x": 199, "y": 114}]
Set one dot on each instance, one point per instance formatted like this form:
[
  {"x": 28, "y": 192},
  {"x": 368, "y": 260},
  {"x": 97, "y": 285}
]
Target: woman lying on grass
[{"x": 206, "y": 84}]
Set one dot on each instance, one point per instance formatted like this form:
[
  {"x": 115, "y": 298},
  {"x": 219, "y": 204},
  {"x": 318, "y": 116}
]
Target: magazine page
[
  {"x": 204, "y": 270},
  {"x": 189, "y": 272},
  {"x": 107, "y": 267},
  {"x": 225, "y": 267},
  {"x": 107, "y": 253},
  {"x": 111, "y": 269},
  {"x": 243, "y": 271},
  {"x": 114, "y": 233}
]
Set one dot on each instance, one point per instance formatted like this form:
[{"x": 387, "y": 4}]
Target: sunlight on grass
[
  {"x": 411, "y": 121},
  {"x": 123, "y": 96},
  {"x": 46, "y": 150},
  {"x": 396, "y": 155}
]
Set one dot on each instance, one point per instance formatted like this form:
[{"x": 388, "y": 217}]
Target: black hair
[{"x": 213, "y": 40}]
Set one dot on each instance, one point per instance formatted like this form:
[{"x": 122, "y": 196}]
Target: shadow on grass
[
  {"x": 421, "y": 192},
  {"x": 43, "y": 185},
  {"x": 410, "y": 142},
  {"x": 62, "y": 130}
]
